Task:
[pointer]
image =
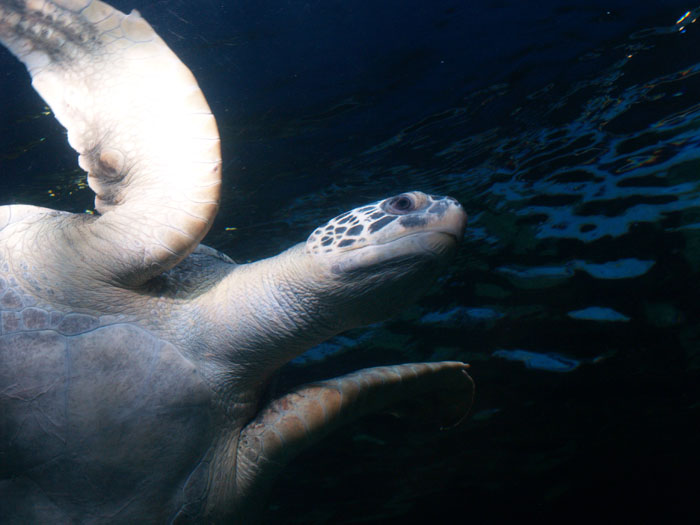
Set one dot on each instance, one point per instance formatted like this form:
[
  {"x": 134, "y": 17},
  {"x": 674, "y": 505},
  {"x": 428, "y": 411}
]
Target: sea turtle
[{"x": 135, "y": 362}]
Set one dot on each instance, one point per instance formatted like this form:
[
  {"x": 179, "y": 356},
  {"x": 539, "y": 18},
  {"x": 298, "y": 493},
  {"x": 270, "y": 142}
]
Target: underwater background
[{"x": 570, "y": 132}]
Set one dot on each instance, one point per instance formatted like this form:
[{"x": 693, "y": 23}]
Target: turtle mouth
[
  {"x": 409, "y": 250},
  {"x": 436, "y": 242},
  {"x": 428, "y": 238}
]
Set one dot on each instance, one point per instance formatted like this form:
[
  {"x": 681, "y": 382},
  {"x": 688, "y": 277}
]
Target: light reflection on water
[
  {"x": 627, "y": 155},
  {"x": 589, "y": 178},
  {"x": 582, "y": 255}
]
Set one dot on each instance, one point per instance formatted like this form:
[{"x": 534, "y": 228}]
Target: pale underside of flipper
[
  {"x": 300, "y": 418},
  {"x": 139, "y": 121}
]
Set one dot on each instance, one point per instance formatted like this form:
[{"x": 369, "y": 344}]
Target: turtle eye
[{"x": 401, "y": 204}]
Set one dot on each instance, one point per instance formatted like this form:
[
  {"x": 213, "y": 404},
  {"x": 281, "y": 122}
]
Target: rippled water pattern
[
  {"x": 575, "y": 297},
  {"x": 575, "y": 293},
  {"x": 589, "y": 179}
]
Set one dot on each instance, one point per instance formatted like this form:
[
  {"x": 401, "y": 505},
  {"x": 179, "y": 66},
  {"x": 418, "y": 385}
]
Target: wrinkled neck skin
[
  {"x": 267, "y": 312},
  {"x": 264, "y": 313}
]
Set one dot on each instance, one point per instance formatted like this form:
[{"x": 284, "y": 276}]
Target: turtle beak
[{"x": 451, "y": 218}]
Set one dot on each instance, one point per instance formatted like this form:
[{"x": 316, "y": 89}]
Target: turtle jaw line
[
  {"x": 407, "y": 250},
  {"x": 450, "y": 236},
  {"x": 424, "y": 233},
  {"x": 447, "y": 239}
]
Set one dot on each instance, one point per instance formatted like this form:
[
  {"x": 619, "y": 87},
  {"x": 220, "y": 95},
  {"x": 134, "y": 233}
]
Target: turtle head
[
  {"x": 388, "y": 252},
  {"x": 361, "y": 267}
]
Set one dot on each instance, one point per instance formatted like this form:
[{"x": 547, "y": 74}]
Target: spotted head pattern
[{"x": 380, "y": 222}]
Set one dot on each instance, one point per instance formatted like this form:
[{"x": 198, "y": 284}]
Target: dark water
[{"x": 569, "y": 131}]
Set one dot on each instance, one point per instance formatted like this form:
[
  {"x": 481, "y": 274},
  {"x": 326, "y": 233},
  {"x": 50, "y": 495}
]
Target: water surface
[{"x": 568, "y": 130}]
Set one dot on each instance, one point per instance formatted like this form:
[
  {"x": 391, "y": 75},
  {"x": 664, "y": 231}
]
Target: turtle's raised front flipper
[
  {"x": 300, "y": 418},
  {"x": 138, "y": 119}
]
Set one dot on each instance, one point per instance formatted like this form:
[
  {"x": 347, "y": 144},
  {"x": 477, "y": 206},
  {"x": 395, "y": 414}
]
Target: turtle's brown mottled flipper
[
  {"x": 300, "y": 418},
  {"x": 140, "y": 123}
]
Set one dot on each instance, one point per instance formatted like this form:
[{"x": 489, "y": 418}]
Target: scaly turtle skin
[{"x": 134, "y": 361}]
